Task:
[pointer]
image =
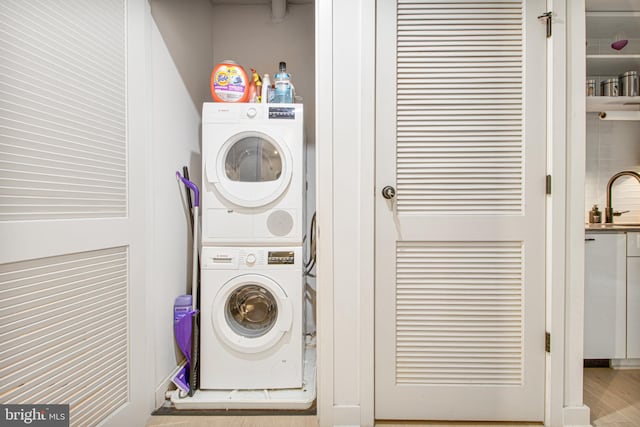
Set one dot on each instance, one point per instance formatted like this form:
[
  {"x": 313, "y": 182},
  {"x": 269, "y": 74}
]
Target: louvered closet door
[
  {"x": 460, "y": 249},
  {"x": 71, "y": 209}
]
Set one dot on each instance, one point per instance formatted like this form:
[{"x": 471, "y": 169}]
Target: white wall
[
  {"x": 567, "y": 306},
  {"x": 346, "y": 69},
  {"x": 181, "y": 65},
  {"x": 612, "y": 146}
]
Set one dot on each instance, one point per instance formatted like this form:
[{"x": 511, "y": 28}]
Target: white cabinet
[
  {"x": 605, "y": 296},
  {"x": 633, "y": 295}
]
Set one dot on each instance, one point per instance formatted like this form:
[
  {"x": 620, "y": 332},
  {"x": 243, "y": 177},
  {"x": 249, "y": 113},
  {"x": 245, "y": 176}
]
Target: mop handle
[{"x": 193, "y": 187}]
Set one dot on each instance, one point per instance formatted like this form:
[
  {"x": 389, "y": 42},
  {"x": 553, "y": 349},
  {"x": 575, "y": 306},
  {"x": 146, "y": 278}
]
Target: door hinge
[
  {"x": 547, "y": 342},
  {"x": 547, "y": 16},
  {"x": 548, "y": 184}
]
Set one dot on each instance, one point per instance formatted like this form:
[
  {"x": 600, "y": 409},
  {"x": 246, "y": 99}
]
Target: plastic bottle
[
  {"x": 266, "y": 89},
  {"x": 595, "y": 216},
  {"x": 283, "y": 93},
  {"x": 258, "y": 81},
  {"x": 181, "y": 306},
  {"x": 229, "y": 83}
]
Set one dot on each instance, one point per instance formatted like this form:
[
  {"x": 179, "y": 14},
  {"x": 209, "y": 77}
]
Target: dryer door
[
  {"x": 251, "y": 313},
  {"x": 251, "y": 169}
]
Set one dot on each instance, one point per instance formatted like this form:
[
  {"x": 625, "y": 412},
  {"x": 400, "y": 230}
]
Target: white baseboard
[
  {"x": 576, "y": 416},
  {"x": 166, "y": 385},
  {"x": 346, "y": 416},
  {"x": 625, "y": 363}
]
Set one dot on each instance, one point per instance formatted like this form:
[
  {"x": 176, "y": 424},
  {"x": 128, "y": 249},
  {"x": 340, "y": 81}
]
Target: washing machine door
[
  {"x": 251, "y": 169},
  {"x": 251, "y": 313}
]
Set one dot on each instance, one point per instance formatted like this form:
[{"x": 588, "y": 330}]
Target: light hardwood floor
[
  {"x": 292, "y": 421},
  {"x": 612, "y": 395},
  {"x": 232, "y": 421}
]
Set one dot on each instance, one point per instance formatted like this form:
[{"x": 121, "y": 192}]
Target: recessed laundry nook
[{"x": 256, "y": 331}]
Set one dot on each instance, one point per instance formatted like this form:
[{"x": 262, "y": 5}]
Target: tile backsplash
[{"x": 612, "y": 146}]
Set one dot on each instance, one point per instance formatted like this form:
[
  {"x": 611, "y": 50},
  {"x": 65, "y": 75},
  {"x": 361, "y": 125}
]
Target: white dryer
[
  {"x": 253, "y": 174},
  {"x": 251, "y": 333}
]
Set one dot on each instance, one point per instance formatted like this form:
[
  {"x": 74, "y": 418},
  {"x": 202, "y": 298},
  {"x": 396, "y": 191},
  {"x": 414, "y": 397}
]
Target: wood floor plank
[
  {"x": 453, "y": 424},
  {"x": 232, "y": 421},
  {"x": 613, "y": 396}
]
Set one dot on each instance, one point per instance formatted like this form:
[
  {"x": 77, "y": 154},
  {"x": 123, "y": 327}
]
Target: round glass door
[
  {"x": 251, "y": 313},
  {"x": 252, "y": 169},
  {"x": 253, "y": 159}
]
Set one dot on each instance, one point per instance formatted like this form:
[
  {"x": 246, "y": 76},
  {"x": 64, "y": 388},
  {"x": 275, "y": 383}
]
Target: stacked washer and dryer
[{"x": 253, "y": 210}]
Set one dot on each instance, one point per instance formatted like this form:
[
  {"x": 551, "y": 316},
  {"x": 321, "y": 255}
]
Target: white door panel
[
  {"x": 460, "y": 249},
  {"x": 72, "y": 177},
  {"x": 605, "y": 296},
  {"x": 633, "y": 295}
]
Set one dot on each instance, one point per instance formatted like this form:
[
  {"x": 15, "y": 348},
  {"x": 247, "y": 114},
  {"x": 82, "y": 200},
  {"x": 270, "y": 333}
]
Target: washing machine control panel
[
  {"x": 228, "y": 258},
  {"x": 281, "y": 257},
  {"x": 250, "y": 259},
  {"x": 282, "y": 113},
  {"x": 251, "y": 112}
]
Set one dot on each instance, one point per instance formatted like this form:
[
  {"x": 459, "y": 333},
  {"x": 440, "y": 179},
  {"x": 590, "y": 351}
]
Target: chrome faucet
[{"x": 608, "y": 211}]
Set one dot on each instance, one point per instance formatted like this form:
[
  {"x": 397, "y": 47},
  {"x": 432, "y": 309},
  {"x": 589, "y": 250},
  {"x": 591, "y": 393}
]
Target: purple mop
[
  {"x": 182, "y": 328},
  {"x": 189, "y": 337}
]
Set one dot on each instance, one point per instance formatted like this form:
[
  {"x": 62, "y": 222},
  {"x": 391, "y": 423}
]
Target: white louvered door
[
  {"x": 460, "y": 249},
  {"x": 72, "y": 144}
]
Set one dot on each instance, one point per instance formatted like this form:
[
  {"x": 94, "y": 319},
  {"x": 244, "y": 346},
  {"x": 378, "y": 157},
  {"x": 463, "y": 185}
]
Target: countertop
[{"x": 618, "y": 228}]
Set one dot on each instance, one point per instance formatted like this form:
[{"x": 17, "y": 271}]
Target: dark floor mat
[
  {"x": 168, "y": 410},
  {"x": 596, "y": 363}
]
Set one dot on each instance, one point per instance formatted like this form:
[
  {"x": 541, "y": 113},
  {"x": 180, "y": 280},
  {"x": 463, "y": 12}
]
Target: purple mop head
[
  {"x": 180, "y": 380},
  {"x": 182, "y": 330},
  {"x": 618, "y": 45}
]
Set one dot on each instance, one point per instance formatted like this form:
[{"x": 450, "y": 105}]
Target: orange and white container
[{"x": 229, "y": 83}]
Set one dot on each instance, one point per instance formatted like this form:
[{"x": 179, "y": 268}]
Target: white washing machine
[
  {"x": 253, "y": 174},
  {"x": 251, "y": 333}
]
